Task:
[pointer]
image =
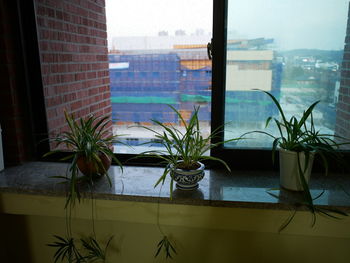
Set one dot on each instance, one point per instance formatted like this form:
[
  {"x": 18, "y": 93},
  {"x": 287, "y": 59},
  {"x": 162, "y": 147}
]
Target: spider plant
[
  {"x": 95, "y": 252},
  {"x": 301, "y": 136},
  {"x": 183, "y": 149},
  {"x": 167, "y": 247},
  {"x": 66, "y": 249},
  {"x": 88, "y": 144}
]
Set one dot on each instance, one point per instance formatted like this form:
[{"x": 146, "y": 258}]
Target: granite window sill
[{"x": 244, "y": 189}]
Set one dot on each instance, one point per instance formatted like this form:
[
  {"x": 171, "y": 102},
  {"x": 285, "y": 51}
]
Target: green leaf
[
  {"x": 268, "y": 121},
  {"x": 165, "y": 245},
  {"x": 66, "y": 249},
  {"x": 94, "y": 249},
  {"x": 286, "y": 223}
]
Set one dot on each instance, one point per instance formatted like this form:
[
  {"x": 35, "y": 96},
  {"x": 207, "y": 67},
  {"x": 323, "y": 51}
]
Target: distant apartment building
[
  {"x": 195, "y": 81},
  {"x": 144, "y": 82},
  {"x": 142, "y": 89},
  {"x": 247, "y": 70}
]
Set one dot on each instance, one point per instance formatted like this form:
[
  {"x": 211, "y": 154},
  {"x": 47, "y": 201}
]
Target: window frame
[
  {"x": 30, "y": 58},
  {"x": 236, "y": 158}
]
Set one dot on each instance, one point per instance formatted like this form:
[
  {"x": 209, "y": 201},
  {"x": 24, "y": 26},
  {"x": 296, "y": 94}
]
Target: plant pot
[
  {"x": 187, "y": 179},
  {"x": 289, "y": 172},
  {"x": 89, "y": 169}
]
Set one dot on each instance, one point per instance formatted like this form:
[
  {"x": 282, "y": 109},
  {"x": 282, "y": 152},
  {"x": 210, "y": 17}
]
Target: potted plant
[
  {"x": 89, "y": 146},
  {"x": 184, "y": 151},
  {"x": 298, "y": 143}
]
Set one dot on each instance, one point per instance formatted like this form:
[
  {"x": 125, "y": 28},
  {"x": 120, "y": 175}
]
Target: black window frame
[
  {"x": 245, "y": 159},
  {"x": 238, "y": 158},
  {"x": 30, "y": 58}
]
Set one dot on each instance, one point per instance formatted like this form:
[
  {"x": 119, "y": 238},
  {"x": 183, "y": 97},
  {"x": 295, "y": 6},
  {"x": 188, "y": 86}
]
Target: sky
[
  {"x": 293, "y": 24},
  {"x": 319, "y": 24},
  {"x": 148, "y": 17}
]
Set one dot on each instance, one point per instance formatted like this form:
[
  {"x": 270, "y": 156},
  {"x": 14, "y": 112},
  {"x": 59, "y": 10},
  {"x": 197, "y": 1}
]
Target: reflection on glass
[
  {"x": 247, "y": 194},
  {"x": 255, "y": 194},
  {"x": 294, "y": 50}
]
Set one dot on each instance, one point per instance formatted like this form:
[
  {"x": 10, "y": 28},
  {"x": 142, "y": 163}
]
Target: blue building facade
[{"x": 143, "y": 85}]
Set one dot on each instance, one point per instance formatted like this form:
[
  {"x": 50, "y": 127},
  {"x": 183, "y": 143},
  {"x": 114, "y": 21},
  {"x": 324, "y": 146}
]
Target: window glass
[
  {"x": 161, "y": 47},
  {"x": 292, "y": 49}
]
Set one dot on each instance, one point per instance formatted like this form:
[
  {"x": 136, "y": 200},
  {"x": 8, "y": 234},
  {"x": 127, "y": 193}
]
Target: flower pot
[
  {"x": 289, "y": 172},
  {"x": 89, "y": 168},
  {"x": 187, "y": 179}
]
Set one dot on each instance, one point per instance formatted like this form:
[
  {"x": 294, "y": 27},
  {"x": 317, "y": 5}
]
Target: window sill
[{"x": 242, "y": 189}]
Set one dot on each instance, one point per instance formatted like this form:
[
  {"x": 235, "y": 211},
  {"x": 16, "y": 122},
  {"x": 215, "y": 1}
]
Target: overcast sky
[
  {"x": 148, "y": 17},
  {"x": 293, "y": 24}
]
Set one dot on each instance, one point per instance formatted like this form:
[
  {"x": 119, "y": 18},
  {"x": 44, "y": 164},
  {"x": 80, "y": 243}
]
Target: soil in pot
[{"x": 192, "y": 166}]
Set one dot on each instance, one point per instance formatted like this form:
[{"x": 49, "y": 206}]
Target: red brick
[
  {"x": 76, "y": 34},
  {"x": 91, "y": 75},
  {"x": 80, "y": 76}
]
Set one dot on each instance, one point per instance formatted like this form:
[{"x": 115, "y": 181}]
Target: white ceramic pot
[
  {"x": 289, "y": 172},
  {"x": 188, "y": 179}
]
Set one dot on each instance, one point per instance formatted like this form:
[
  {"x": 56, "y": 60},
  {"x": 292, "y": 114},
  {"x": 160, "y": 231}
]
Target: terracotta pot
[
  {"x": 89, "y": 169},
  {"x": 187, "y": 179},
  {"x": 289, "y": 172}
]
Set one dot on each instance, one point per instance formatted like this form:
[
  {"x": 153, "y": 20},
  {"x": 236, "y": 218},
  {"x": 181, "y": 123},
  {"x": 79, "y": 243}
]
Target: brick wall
[
  {"x": 74, "y": 62},
  {"x": 343, "y": 107}
]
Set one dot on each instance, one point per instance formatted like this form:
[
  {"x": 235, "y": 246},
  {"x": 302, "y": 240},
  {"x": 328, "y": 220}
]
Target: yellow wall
[{"x": 200, "y": 233}]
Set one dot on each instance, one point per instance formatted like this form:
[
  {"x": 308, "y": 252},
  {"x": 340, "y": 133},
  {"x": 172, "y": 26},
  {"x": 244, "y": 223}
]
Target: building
[
  {"x": 247, "y": 70},
  {"x": 143, "y": 82}
]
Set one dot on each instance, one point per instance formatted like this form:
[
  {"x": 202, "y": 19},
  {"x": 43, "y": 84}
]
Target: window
[
  {"x": 75, "y": 76},
  {"x": 293, "y": 51},
  {"x": 278, "y": 46},
  {"x": 165, "y": 48}
]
